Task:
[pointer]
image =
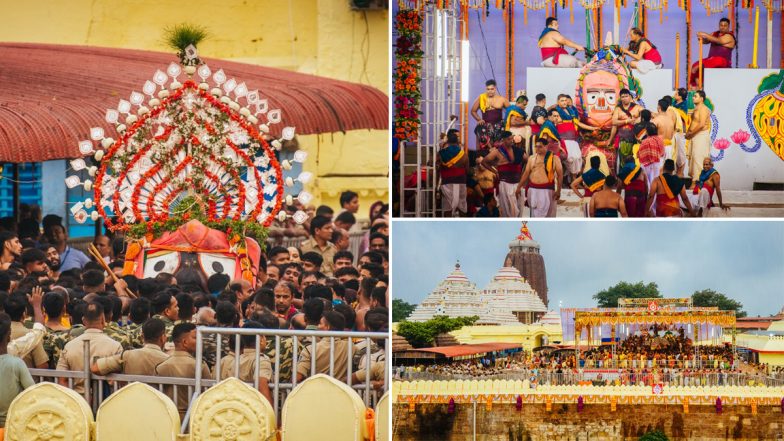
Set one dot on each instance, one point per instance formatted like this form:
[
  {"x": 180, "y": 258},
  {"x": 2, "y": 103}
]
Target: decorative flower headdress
[{"x": 192, "y": 150}]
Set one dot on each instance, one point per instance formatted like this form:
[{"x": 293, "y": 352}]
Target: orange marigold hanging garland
[{"x": 408, "y": 56}]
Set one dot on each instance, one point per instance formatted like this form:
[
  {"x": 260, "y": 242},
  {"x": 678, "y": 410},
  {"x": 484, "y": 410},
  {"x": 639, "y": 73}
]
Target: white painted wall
[
  {"x": 731, "y": 90},
  {"x": 552, "y": 82}
]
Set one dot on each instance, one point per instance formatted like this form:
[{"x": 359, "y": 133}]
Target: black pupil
[
  {"x": 159, "y": 265},
  {"x": 217, "y": 267}
]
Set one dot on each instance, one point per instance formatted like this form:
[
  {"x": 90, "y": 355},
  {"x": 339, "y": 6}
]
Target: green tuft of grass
[{"x": 180, "y": 36}]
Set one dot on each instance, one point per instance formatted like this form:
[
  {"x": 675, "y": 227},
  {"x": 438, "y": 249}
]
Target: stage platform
[{"x": 742, "y": 204}]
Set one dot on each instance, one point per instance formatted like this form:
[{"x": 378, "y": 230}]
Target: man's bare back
[
  {"x": 665, "y": 125},
  {"x": 551, "y": 39}
]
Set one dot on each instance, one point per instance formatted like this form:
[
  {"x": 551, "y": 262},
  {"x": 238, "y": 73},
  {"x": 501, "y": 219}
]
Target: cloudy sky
[{"x": 744, "y": 260}]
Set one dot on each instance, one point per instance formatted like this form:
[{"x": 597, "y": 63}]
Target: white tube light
[{"x": 464, "y": 69}]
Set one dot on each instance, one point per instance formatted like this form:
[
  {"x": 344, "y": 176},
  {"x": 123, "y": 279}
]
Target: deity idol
[{"x": 598, "y": 85}]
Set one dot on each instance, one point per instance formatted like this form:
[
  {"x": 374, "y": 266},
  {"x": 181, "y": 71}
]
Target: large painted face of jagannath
[
  {"x": 196, "y": 247},
  {"x": 600, "y": 95}
]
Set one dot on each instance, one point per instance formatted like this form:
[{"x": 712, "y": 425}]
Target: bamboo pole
[{"x": 677, "y": 59}]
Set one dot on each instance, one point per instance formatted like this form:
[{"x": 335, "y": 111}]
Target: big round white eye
[
  {"x": 217, "y": 263},
  {"x": 610, "y": 98},
  {"x": 161, "y": 262},
  {"x": 592, "y": 98}
]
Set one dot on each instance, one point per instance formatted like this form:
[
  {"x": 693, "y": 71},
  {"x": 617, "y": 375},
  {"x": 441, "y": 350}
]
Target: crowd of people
[
  {"x": 644, "y": 172},
  {"x": 53, "y": 298},
  {"x": 656, "y": 162},
  {"x": 564, "y": 368},
  {"x": 661, "y": 354}
]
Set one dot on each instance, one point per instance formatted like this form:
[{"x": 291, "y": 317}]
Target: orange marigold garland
[{"x": 408, "y": 56}]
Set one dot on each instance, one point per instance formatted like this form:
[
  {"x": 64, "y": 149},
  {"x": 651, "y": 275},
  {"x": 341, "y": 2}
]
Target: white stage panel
[
  {"x": 555, "y": 81},
  {"x": 731, "y": 90}
]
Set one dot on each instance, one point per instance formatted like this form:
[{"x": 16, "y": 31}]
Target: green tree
[
  {"x": 608, "y": 298},
  {"x": 422, "y": 334},
  {"x": 709, "y": 297},
  {"x": 401, "y": 310},
  {"x": 654, "y": 435}
]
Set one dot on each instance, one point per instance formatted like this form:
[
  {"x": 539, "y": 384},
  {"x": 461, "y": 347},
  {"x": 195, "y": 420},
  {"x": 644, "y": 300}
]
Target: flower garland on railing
[{"x": 408, "y": 56}]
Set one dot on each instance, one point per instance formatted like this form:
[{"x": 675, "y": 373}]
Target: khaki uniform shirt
[
  {"x": 328, "y": 253},
  {"x": 38, "y": 355},
  {"x": 72, "y": 357},
  {"x": 322, "y": 358},
  {"x": 180, "y": 364},
  {"x": 134, "y": 362},
  {"x": 376, "y": 372},
  {"x": 247, "y": 370}
]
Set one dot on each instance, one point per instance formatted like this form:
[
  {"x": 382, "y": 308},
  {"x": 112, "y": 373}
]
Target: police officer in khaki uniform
[
  {"x": 247, "y": 361},
  {"x": 101, "y": 345},
  {"x": 182, "y": 363},
  {"x": 332, "y": 321},
  {"x": 137, "y": 361}
]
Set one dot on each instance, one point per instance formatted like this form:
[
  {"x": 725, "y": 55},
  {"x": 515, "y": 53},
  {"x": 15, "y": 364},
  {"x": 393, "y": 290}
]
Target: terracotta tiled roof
[{"x": 50, "y": 96}]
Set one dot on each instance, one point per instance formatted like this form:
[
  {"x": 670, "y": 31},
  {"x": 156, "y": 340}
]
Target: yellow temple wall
[
  {"x": 772, "y": 359},
  {"x": 528, "y": 336},
  {"x": 320, "y": 37}
]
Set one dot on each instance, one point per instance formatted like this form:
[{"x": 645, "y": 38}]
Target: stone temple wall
[
  {"x": 531, "y": 266},
  {"x": 596, "y": 422}
]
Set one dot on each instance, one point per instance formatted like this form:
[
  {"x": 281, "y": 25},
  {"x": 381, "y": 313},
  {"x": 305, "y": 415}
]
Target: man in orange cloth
[
  {"x": 666, "y": 189},
  {"x": 708, "y": 184},
  {"x": 722, "y": 42},
  {"x": 551, "y": 44}
]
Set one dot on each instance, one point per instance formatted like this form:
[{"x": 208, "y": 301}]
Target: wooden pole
[
  {"x": 15, "y": 193},
  {"x": 511, "y": 47},
  {"x": 699, "y": 41},
  {"x": 677, "y": 59},
  {"x": 756, "y": 39},
  {"x": 688, "y": 42},
  {"x": 769, "y": 43}
]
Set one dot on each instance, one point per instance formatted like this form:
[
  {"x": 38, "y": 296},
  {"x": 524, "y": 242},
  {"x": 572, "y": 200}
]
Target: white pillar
[
  {"x": 616, "y": 25},
  {"x": 769, "y": 46},
  {"x": 53, "y": 196}
]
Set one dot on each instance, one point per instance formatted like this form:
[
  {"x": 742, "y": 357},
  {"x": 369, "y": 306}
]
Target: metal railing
[
  {"x": 674, "y": 378},
  {"x": 96, "y": 388},
  {"x": 365, "y": 390}
]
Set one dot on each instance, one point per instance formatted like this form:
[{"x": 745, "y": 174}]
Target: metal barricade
[
  {"x": 310, "y": 340},
  {"x": 98, "y": 387}
]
